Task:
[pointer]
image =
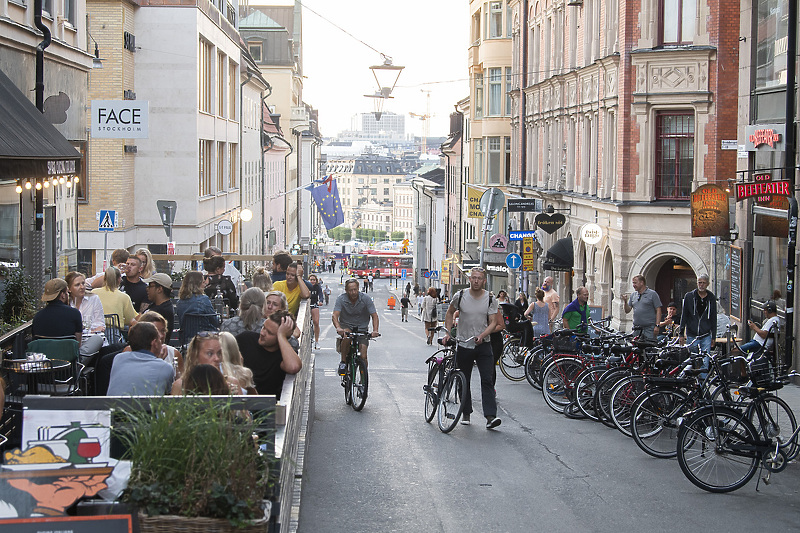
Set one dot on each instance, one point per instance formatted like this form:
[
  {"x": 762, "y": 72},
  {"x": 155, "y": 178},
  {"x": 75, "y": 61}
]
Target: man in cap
[
  {"x": 159, "y": 290},
  {"x": 57, "y": 319}
]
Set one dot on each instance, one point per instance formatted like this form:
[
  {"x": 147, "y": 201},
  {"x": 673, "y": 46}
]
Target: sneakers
[
  {"x": 492, "y": 423},
  {"x": 342, "y": 369},
  {"x": 316, "y": 346},
  {"x": 465, "y": 420}
]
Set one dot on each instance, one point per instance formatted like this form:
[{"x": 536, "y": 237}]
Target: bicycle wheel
[
  {"x": 602, "y": 396},
  {"x": 533, "y": 367},
  {"x": 512, "y": 359},
  {"x": 622, "y": 397},
  {"x": 348, "y": 391},
  {"x": 431, "y": 390},
  {"x": 451, "y": 403},
  {"x": 358, "y": 384},
  {"x": 779, "y": 421},
  {"x": 558, "y": 380},
  {"x": 716, "y": 449},
  {"x": 654, "y": 421},
  {"x": 585, "y": 388}
]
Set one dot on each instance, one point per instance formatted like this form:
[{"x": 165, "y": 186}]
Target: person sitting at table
[
  {"x": 192, "y": 300},
  {"x": 276, "y": 301},
  {"x": 91, "y": 310},
  {"x": 205, "y": 379},
  {"x": 233, "y": 366},
  {"x": 269, "y": 355},
  {"x": 159, "y": 290},
  {"x": 204, "y": 349},
  {"x": 141, "y": 372},
  {"x": 250, "y": 317},
  {"x": 262, "y": 279},
  {"x": 57, "y": 319},
  {"x": 218, "y": 282},
  {"x": 116, "y": 302}
]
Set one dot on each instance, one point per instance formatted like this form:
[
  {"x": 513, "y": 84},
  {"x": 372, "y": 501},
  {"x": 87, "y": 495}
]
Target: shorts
[
  {"x": 362, "y": 340},
  {"x": 314, "y": 306}
]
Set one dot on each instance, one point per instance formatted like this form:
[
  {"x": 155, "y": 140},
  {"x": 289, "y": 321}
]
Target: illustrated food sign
[
  {"x": 710, "y": 212},
  {"x": 120, "y": 119},
  {"x": 474, "y": 202}
]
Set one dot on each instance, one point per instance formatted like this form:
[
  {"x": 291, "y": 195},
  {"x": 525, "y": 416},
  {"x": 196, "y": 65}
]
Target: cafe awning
[
  {"x": 560, "y": 256},
  {"x": 30, "y": 147}
]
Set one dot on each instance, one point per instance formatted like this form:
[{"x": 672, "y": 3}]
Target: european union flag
[{"x": 326, "y": 196}]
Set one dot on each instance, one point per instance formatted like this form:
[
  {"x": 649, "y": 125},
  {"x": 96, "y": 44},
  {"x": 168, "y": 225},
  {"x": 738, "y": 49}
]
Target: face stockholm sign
[{"x": 120, "y": 119}]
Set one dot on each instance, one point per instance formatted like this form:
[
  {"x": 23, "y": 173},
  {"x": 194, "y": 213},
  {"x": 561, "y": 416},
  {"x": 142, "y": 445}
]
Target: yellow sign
[
  {"x": 474, "y": 202},
  {"x": 445, "y": 272},
  {"x": 528, "y": 263}
]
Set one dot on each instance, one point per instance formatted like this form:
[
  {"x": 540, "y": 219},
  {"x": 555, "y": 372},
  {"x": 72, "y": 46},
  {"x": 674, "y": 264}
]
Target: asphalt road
[{"x": 385, "y": 469}]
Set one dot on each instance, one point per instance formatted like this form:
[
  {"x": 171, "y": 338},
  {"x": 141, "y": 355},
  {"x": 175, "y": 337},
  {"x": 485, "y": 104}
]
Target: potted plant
[{"x": 196, "y": 463}]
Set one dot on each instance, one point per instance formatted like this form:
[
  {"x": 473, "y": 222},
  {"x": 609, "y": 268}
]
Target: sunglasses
[{"x": 208, "y": 334}]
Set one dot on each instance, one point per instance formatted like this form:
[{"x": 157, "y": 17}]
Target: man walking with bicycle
[
  {"x": 477, "y": 316},
  {"x": 351, "y": 310}
]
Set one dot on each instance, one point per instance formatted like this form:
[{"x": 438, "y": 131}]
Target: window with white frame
[
  {"x": 204, "y": 170},
  {"x": 222, "y": 67},
  {"x": 478, "y": 95},
  {"x": 677, "y": 21},
  {"x": 494, "y": 24},
  {"x": 221, "y": 166},
  {"x": 206, "y": 78},
  {"x": 495, "y": 92},
  {"x": 509, "y": 78},
  {"x": 494, "y": 170},
  {"x": 477, "y": 171}
]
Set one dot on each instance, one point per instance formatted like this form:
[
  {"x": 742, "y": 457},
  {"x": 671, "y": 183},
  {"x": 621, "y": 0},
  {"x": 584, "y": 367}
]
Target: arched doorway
[{"x": 673, "y": 280}]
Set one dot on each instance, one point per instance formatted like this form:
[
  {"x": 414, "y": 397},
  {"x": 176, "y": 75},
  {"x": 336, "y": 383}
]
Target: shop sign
[
  {"x": 474, "y": 203},
  {"x": 120, "y": 119},
  {"x": 550, "y": 223},
  {"x": 591, "y": 233},
  {"x": 768, "y": 137},
  {"x": 764, "y": 190},
  {"x": 709, "y": 205},
  {"x": 521, "y": 205}
]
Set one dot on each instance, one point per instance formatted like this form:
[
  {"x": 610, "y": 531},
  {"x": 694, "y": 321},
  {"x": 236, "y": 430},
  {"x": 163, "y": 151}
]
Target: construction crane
[{"x": 425, "y": 118}]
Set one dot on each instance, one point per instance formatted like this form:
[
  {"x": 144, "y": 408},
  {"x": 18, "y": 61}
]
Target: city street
[{"x": 385, "y": 469}]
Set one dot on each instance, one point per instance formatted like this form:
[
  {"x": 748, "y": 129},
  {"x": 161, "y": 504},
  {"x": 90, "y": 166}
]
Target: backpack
[{"x": 460, "y": 294}]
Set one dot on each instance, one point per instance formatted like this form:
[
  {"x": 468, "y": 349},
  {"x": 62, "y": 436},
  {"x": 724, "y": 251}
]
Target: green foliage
[
  {"x": 398, "y": 235},
  {"x": 341, "y": 233},
  {"x": 19, "y": 305},
  {"x": 195, "y": 456},
  {"x": 178, "y": 275}
]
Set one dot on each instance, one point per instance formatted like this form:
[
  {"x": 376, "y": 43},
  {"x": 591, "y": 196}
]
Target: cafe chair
[
  {"x": 63, "y": 349},
  {"x": 11, "y": 424},
  {"x": 192, "y": 324},
  {"x": 114, "y": 329}
]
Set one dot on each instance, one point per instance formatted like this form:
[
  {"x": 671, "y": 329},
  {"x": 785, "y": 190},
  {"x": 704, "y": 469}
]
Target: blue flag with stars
[{"x": 326, "y": 196}]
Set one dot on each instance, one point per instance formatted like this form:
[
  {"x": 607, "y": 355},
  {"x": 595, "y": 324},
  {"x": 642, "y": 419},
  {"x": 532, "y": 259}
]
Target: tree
[{"x": 398, "y": 235}]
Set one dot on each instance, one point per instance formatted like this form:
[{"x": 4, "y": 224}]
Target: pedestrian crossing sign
[{"x": 108, "y": 220}]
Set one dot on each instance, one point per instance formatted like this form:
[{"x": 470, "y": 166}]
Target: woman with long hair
[
  {"x": 148, "y": 267},
  {"x": 233, "y": 364},
  {"x": 251, "y": 315},
  {"x": 205, "y": 380},
  {"x": 114, "y": 301},
  {"x": 94, "y": 323},
  {"x": 276, "y": 301},
  {"x": 429, "y": 317},
  {"x": 192, "y": 300},
  {"x": 262, "y": 279},
  {"x": 204, "y": 349},
  {"x": 538, "y": 312}
]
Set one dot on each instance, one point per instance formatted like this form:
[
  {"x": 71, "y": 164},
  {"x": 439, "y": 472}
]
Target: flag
[{"x": 326, "y": 196}]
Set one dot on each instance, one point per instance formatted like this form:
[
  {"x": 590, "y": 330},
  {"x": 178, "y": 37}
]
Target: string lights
[{"x": 45, "y": 183}]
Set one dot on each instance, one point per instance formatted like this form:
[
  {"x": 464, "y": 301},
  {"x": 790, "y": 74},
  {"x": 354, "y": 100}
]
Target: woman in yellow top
[
  {"x": 115, "y": 302},
  {"x": 294, "y": 287}
]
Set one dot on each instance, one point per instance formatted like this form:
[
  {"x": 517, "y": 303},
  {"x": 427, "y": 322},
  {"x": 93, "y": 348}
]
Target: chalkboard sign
[
  {"x": 736, "y": 283},
  {"x": 596, "y": 315}
]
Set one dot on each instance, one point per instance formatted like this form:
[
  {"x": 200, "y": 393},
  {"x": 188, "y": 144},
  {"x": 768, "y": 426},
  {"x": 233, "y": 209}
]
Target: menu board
[{"x": 736, "y": 283}]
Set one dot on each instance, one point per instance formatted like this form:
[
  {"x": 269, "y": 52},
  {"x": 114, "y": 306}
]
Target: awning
[
  {"x": 30, "y": 147},
  {"x": 560, "y": 256}
]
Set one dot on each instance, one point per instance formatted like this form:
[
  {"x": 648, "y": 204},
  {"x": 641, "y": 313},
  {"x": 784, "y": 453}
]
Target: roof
[
  {"x": 30, "y": 146},
  {"x": 258, "y": 19}
]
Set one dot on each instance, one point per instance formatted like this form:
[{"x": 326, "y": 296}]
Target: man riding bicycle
[{"x": 352, "y": 310}]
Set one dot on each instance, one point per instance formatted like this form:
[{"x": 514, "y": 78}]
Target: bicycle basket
[
  {"x": 760, "y": 371},
  {"x": 734, "y": 371},
  {"x": 565, "y": 345}
]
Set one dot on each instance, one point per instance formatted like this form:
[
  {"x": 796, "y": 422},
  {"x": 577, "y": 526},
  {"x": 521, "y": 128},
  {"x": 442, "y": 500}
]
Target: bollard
[{"x": 392, "y": 302}]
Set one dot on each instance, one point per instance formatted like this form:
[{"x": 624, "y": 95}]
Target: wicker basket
[{"x": 183, "y": 524}]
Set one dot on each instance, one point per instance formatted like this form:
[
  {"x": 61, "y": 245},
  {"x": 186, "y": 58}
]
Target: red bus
[{"x": 381, "y": 263}]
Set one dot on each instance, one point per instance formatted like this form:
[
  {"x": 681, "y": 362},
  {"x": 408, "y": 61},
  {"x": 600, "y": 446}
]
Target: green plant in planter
[
  {"x": 19, "y": 305},
  {"x": 195, "y": 456}
]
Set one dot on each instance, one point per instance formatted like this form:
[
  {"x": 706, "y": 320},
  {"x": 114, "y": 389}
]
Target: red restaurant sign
[
  {"x": 765, "y": 136},
  {"x": 763, "y": 188}
]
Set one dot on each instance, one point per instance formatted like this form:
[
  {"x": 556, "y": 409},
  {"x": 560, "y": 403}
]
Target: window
[
  {"x": 495, "y": 25},
  {"x": 476, "y": 26},
  {"x": 771, "y": 43},
  {"x": 507, "y": 158},
  {"x": 255, "y": 51},
  {"x": 233, "y": 90},
  {"x": 206, "y": 91},
  {"x": 70, "y": 11},
  {"x": 479, "y": 95},
  {"x": 221, "y": 166},
  {"x": 495, "y": 162},
  {"x": 232, "y": 161},
  {"x": 677, "y": 21},
  {"x": 495, "y": 92},
  {"x": 477, "y": 172},
  {"x": 82, "y": 186},
  {"x": 674, "y": 155},
  {"x": 204, "y": 171},
  {"x": 385, "y": 192},
  {"x": 222, "y": 65},
  {"x": 509, "y": 77}
]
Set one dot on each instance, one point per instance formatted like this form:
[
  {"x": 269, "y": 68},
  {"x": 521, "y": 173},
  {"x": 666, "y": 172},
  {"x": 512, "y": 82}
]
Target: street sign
[
  {"x": 513, "y": 261},
  {"x": 403, "y": 273},
  {"x": 523, "y": 205},
  {"x": 167, "y": 210},
  {"x": 492, "y": 201},
  {"x": 527, "y": 254},
  {"x": 170, "y": 248},
  {"x": 224, "y": 227},
  {"x": 434, "y": 274},
  {"x": 108, "y": 220},
  {"x": 519, "y": 235},
  {"x": 498, "y": 242}
]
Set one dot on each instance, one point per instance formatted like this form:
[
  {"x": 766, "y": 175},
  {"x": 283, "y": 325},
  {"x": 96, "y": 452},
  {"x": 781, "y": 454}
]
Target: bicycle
[
  {"x": 355, "y": 379},
  {"x": 446, "y": 383}
]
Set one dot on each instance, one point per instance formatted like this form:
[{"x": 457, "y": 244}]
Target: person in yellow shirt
[{"x": 295, "y": 288}]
